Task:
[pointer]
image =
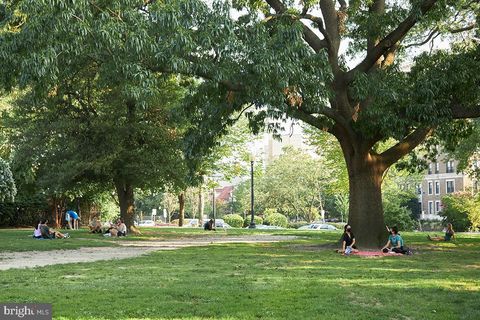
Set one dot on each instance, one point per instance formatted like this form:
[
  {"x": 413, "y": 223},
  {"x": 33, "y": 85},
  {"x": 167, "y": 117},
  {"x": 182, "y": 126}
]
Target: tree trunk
[
  {"x": 201, "y": 205},
  {"x": 181, "y": 210},
  {"x": 126, "y": 201},
  {"x": 366, "y": 209}
]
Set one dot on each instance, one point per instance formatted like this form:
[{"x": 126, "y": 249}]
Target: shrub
[
  {"x": 256, "y": 219},
  {"x": 273, "y": 218},
  {"x": 396, "y": 215},
  {"x": 296, "y": 224},
  {"x": 462, "y": 211},
  {"x": 235, "y": 220}
]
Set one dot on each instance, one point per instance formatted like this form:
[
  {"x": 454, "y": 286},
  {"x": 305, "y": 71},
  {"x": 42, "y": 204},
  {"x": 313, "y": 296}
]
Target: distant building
[{"x": 440, "y": 179}]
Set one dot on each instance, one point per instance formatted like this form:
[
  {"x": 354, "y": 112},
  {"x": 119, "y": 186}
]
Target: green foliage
[
  {"x": 294, "y": 185},
  {"x": 462, "y": 210},
  {"x": 256, "y": 219},
  {"x": 8, "y": 190},
  {"x": 296, "y": 224},
  {"x": 235, "y": 220},
  {"x": 273, "y": 218}
]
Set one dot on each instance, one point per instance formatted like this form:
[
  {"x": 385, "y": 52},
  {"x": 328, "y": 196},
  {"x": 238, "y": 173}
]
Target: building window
[
  {"x": 430, "y": 188},
  {"x": 437, "y": 167},
  {"x": 450, "y": 166},
  {"x": 450, "y": 186},
  {"x": 437, "y": 187},
  {"x": 430, "y": 207},
  {"x": 419, "y": 189},
  {"x": 430, "y": 168},
  {"x": 438, "y": 206}
]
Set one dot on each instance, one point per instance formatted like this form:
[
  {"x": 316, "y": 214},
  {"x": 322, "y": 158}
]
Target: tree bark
[
  {"x": 365, "y": 208},
  {"x": 181, "y": 210},
  {"x": 126, "y": 200}
]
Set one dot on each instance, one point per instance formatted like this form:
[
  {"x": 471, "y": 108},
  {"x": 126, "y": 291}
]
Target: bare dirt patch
[{"x": 127, "y": 249}]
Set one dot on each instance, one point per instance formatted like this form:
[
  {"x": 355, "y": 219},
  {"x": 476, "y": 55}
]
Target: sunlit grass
[{"x": 298, "y": 279}]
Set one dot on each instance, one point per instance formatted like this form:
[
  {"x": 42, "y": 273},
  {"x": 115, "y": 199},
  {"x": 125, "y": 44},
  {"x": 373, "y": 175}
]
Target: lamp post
[
  {"x": 214, "y": 178},
  {"x": 252, "y": 196},
  {"x": 213, "y": 204}
]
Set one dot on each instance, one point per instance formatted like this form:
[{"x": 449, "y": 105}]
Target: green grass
[{"x": 301, "y": 279}]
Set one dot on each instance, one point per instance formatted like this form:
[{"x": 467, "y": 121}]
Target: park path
[{"x": 126, "y": 249}]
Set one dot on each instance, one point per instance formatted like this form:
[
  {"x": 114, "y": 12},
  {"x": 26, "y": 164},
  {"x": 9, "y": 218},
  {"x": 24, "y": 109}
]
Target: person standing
[{"x": 68, "y": 220}]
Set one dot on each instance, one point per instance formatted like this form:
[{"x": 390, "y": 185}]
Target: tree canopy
[{"x": 278, "y": 58}]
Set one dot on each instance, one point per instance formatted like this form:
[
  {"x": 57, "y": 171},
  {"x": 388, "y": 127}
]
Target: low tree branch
[{"x": 403, "y": 147}]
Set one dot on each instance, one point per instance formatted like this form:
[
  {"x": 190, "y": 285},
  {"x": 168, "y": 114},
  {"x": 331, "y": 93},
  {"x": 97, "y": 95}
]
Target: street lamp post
[
  {"x": 252, "y": 196},
  {"x": 213, "y": 205}
]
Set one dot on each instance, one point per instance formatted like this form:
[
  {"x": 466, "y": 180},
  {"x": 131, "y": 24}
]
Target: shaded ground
[{"x": 126, "y": 249}]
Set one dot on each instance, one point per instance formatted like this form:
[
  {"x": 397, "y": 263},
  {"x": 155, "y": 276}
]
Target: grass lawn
[{"x": 301, "y": 279}]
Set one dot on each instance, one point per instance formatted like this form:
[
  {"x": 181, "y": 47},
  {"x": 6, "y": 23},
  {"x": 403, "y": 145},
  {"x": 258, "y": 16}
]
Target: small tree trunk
[
  {"x": 366, "y": 209},
  {"x": 126, "y": 201},
  {"x": 201, "y": 205},
  {"x": 181, "y": 211}
]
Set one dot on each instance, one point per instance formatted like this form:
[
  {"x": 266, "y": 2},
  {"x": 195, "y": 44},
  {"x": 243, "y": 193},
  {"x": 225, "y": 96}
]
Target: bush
[
  {"x": 256, "y": 219},
  {"x": 462, "y": 210},
  {"x": 273, "y": 218},
  {"x": 396, "y": 215},
  {"x": 235, "y": 220},
  {"x": 296, "y": 224}
]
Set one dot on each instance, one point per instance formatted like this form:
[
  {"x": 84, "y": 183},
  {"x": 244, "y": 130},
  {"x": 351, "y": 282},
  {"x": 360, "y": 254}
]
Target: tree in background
[
  {"x": 8, "y": 190},
  {"x": 283, "y": 59},
  {"x": 462, "y": 210},
  {"x": 294, "y": 184}
]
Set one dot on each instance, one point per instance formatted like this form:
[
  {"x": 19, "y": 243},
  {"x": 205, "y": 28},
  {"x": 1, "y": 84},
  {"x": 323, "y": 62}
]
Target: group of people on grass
[
  {"x": 43, "y": 231},
  {"x": 395, "y": 243},
  {"x": 119, "y": 229}
]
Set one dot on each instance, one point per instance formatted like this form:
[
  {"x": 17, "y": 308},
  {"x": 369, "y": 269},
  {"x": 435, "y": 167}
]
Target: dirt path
[{"x": 127, "y": 249}]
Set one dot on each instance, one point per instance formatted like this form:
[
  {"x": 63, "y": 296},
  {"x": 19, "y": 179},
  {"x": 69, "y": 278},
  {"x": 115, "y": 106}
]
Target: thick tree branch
[
  {"x": 332, "y": 31},
  {"x": 377, "y": 8},
  {"x": 402, "y": 148},
  {"x": 462, "y": 112},
  {"x": 310, "y": 37},
  {"x": 393, "y": 38}
]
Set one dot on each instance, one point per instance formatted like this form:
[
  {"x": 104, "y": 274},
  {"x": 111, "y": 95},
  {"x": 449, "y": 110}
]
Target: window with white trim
[
  {"x": 437, "y": 167},
  {"x": 430, "y": 187},
  {"x": 438, "y": 206},
  {"x": 450, "y": 166},
  {"x": 450, "y": 186},
  {"x": 430, "y": 207},
  {"x": 437, "y": 187}
]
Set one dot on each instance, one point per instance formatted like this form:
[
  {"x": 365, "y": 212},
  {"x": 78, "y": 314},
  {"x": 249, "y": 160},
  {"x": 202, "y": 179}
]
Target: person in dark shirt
[
  {"x": 209, "y": 225},
  {"x": 348, "y": 241}
]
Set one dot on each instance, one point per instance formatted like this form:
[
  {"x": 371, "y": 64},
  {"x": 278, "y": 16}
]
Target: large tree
[{"x": 286, "y": 60}]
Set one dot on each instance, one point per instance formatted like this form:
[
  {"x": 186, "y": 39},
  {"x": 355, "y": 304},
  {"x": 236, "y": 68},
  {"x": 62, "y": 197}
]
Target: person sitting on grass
[
  {"x": 121, "y": 228},
  {"x": 117, "y": 230},
  {"x": 209, "y": 225},
  {"x": 395, "y": 242},
  {"x": 348, "y": 241},
  {"x": 449, "y": 235},
  {"x": 37, "y": 234},
  {"x": 49, "y": 233},
  {"x": 95, "y": 226}
]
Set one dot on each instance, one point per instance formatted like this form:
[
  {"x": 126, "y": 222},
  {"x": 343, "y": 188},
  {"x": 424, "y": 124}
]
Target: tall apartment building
[{"x": 440, "y": 179}]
